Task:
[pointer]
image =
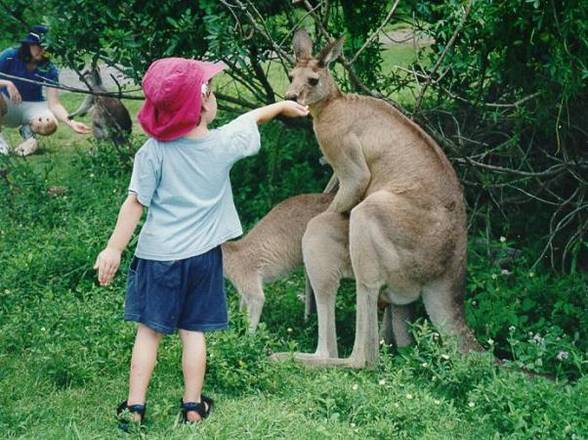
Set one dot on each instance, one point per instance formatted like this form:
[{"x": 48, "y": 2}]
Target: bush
[{"x": 527, "y": 314}]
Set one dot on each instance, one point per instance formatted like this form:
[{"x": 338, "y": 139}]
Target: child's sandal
[
  {"x": 203, "y": 408},
  {"x": 124, "y": 410}
]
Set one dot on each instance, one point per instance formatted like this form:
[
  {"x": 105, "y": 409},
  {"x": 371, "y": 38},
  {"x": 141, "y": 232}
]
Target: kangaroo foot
[{"x": 316, "y": 360}]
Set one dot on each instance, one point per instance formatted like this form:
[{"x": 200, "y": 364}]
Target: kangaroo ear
[
  {"x": 331, "y": 52},
  {"x": 302, "y": 45}
]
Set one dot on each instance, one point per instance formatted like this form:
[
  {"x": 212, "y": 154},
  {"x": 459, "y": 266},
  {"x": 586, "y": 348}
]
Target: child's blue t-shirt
[
  {"x": 14, "y": 66},
  {"x": 185, "y": 184}
]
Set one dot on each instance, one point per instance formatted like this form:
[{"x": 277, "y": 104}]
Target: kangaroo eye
[{"x": 313, "y": 81}]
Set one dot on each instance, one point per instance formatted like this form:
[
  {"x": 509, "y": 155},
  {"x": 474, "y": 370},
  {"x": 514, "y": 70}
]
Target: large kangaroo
[
  {"x": 407, "y": 232},
  {"x": 110, "y": 118}
]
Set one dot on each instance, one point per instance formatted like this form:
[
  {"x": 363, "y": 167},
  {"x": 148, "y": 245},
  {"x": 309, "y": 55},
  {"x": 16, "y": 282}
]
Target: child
[
  {"x": 182, "y": 175},
  {"x": 44, "y": 125}
]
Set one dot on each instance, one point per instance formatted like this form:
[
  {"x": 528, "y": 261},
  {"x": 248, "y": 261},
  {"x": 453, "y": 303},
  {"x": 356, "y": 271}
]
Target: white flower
[
  {"x": 512, "y": 328},
  {"x": 531, "y": 274},
  {"x": 382, "y": 342},
  {"x": 424, "y": 365},
  {"x": 537, "y": 339},
  {"x": 436, "y": 401},
  {"x": 355, "y": 387},
  {"x": 502, "y": 239},
  {"x": 494, "y": 276},
  {"x": 505, "y": 272},
  {"x": 471, "y": 404},
  {"x": 352, "y": 425},
  {"x": 289, "y": 330},
  {"x": 382, "y": 382},
  {"x": 562, "y": 356},
  {"x": 491, "y": 341},
  {"x": 445, "y": 356},
  {"x": 409, "y": 396}
]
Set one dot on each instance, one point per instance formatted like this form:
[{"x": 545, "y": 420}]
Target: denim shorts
[{"x": 186, "y": 294}]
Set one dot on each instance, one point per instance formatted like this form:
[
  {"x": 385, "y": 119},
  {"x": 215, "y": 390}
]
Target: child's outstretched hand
[
  {"x": 107, "y": 264},
  {"x": 292, "y": 109}
]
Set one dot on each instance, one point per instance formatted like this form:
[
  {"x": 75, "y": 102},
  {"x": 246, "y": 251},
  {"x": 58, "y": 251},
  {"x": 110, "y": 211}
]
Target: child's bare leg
[
  {"x": 142, "y": 364},
  {"x": 194, "y": 367}
]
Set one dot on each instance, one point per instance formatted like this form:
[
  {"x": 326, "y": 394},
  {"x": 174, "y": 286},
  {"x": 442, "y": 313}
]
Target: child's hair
[{"x": 44, "y": 125}]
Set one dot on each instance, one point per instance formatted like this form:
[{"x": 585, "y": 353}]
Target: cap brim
[
  {"x": 34, "y": 43},
  {"x": 211, "y": 69}
]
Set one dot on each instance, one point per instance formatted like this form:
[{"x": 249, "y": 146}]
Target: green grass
[{"x": 64, "y": 349}]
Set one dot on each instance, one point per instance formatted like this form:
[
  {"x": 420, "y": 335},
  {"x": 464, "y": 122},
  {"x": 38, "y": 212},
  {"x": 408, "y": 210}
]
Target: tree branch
[
  {"x": 375, "y": 33},
  {"x": 442, "y": 56},
  {"x": 56, "y": 85}
]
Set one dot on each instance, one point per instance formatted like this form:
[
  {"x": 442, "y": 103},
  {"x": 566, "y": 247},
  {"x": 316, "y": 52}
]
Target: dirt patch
[
  {"x": 68, "y": 77},
  {"x": 405, "y": 36}
]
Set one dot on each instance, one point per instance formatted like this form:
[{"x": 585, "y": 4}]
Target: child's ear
[{"x": 204, "y": 107}]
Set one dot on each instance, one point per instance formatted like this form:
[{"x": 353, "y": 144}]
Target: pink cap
[{"x": 173, "y": 96}]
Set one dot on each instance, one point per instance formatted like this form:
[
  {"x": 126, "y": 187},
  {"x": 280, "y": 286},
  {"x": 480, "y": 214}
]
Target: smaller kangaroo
[
  {"x": 271, "y": 250},
  {"x": 110, "y": 118}
]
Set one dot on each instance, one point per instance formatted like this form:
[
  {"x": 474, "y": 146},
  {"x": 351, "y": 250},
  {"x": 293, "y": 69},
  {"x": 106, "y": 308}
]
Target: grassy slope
[{"x": 64, "y": 349}]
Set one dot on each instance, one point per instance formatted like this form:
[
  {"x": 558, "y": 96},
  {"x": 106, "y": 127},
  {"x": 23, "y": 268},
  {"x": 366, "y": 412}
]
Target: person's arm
[
  {"x": 290, "y": 109},
  {"x": 61, "y": 113},
  {"x": 13, "y": 92},
  {"x": 108, "y": 260}
]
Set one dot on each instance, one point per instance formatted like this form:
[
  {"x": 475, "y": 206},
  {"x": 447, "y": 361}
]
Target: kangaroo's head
[
  {"x": 92, "y": 76},
  {"x": 310, "y": 79}
]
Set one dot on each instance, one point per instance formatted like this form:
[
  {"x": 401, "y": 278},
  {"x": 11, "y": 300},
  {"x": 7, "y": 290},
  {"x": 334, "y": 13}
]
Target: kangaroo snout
[{"x": 291, "y": 96}]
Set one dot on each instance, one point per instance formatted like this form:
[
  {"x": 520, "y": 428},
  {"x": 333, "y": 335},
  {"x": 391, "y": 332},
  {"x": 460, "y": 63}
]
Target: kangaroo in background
[
  {"x": 407, "y": 231},
  {"x": 110, "y": 118}
]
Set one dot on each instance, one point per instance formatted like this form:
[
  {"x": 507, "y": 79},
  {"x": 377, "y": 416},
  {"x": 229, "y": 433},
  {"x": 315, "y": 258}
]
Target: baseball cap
[
  {"x": 36, "y": 35},
  {"x": 173, "y": 96}
]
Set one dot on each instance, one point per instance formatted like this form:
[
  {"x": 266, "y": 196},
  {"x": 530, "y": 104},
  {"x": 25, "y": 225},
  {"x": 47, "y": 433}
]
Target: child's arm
[
  {"x": 108, "y": 260},
  {"x": 290, "y": 109}
]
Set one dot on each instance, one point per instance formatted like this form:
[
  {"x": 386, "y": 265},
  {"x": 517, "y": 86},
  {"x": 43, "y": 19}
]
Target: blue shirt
[
  {"x": 185, "y": 183},
  {"x": 12, "y": 65}
]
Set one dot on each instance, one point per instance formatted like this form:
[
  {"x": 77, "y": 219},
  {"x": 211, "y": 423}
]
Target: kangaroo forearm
[
  {"x": 347, "y": 198},
  {"x": 353, "y": 183},
  {"x": 84, "y": 107},
  {"x": 332, "y": 185}
]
